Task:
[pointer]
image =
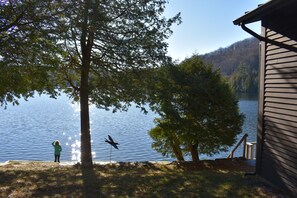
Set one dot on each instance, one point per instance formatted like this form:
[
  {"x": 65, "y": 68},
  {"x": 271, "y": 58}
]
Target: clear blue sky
[{"x": 207, "y": 25}]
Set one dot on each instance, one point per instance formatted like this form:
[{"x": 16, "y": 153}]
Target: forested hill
[{"x": 239, "y": 62}]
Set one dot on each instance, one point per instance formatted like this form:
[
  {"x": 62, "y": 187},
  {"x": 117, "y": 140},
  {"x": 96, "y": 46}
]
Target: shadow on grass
[
  {"x": 129, "y": 180},
  {"x": 91, "y": 182},
  {"x": 55, "y": 181}
]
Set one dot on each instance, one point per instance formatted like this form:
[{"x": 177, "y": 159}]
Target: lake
[{"x": 28, "y": 130}]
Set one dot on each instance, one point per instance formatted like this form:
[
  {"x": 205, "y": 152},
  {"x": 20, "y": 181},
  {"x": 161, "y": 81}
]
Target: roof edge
[{"x": 262, "y": 10}]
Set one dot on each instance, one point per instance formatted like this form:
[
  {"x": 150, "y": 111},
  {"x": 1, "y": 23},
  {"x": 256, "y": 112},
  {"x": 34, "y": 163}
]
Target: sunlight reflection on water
[{"x": 28, "y": 130}]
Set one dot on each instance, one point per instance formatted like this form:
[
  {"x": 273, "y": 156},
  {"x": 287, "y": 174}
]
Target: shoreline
[
  {"x": 95, "y": 161},
  {"x": 227, "y": 163},
  {"x": 72, "y": 163}
]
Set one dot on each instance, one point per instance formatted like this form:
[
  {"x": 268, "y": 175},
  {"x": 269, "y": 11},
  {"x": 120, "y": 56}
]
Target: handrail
[{"x": 244, "y": 138}]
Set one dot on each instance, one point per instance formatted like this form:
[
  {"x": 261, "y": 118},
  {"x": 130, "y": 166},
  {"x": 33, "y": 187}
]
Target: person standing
[{"x": 58, "y": 149}]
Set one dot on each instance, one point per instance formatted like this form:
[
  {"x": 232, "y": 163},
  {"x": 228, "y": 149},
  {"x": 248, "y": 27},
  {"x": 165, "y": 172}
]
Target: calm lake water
[{"x": 28, "y": 130}]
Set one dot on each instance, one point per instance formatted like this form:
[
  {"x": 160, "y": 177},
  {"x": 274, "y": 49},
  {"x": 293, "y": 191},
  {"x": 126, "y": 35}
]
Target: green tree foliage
[
  {"x": 93, "y": 50},
  {"x": 239, "y": 62},
  {"x": 26, "y": 50},
  {"x": 243, "y": 80},
  {"x": 166, "y": 140},
  {"x": 197, "y": 107}
]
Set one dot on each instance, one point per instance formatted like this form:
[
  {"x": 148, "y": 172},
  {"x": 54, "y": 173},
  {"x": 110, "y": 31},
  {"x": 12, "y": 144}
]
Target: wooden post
[
  {"x": 247, "y": 150},
  {"x": 244, "y": 147},
  {"x": 250, "y": 150}
]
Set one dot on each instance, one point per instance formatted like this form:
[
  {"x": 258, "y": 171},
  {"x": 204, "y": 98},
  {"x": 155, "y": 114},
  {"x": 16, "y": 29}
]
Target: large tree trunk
[
  {"x": 86, "y": 42},
  {"x": 175, "y": 144},
  {"x": 86, "y": 151},
  {"x": 177, "y": 152},
  {"x": 194, "y": 152}
]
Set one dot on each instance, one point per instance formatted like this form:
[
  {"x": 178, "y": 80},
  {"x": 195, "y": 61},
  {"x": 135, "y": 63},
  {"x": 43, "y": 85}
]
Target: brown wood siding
[
  {"x": 279, "y": 130},
  {"x": 286, "y": 178},
  {"x": 260, "y": 127}
]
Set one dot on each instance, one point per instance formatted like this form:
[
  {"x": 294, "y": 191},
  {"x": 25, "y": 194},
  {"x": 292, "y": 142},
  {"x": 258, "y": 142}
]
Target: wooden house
[{"x": 276, "y": 158}]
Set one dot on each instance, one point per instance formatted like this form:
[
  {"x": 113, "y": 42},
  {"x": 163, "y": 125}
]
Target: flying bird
[{"x": 111, "y": 142}]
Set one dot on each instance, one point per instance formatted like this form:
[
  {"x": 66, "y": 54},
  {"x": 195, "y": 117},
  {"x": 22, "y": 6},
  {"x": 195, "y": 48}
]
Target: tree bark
[
  {"x": 86, "y": 151},
  {"x": 175, "y": 144},
  {"x": 194, "y": 152},
  {"x": 86, "y": 42},
  {"x": 177, "y": 152}
]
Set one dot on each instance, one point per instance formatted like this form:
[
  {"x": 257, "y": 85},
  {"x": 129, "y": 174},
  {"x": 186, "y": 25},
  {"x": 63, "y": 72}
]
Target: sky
[{"x": 207, "y": 25}]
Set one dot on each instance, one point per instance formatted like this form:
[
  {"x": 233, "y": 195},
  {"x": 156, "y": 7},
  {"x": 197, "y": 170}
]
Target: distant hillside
[{"x": 239, "y": 62}]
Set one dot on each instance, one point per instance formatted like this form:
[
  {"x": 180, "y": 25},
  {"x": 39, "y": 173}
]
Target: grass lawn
[{"x": 204, "y": 179}]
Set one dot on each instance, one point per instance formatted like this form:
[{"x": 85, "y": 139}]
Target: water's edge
[{"x": 28, "y": 130}]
